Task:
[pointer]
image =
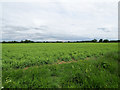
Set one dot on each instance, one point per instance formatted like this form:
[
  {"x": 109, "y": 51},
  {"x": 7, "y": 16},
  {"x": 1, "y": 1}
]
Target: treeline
[{"x": 94, "y": 40}]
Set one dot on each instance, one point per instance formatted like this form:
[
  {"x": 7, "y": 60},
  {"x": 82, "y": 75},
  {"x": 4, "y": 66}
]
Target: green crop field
[{"x": 60, "y": 65}]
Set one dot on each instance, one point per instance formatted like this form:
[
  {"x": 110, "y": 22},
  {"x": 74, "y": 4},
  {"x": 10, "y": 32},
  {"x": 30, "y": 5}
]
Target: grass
[
  {"x": 15, "y": 56},
  {"x": 99, "y": 72}
]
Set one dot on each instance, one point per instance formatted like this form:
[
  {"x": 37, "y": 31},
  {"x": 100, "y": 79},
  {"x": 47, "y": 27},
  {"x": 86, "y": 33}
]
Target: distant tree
[
  {"x": 58, "y": 41},
  {"x": 3, "y": 41},
  {"x": 114, "y": 41},
  {"x": 94, "y": 40},
  {"x": 101, "y": 40},
  {"x": 27, "y": 41},
  {"x": 106, "y": 40},
  {"x": 21, "y": 41},
  {"x": 14, "y": 42}
]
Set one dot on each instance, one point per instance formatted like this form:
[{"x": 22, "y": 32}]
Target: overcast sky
[{"x": 60, "y": 20}]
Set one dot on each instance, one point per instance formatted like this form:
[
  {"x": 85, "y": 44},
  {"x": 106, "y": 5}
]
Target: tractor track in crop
[{"x": 60, "y": 62}]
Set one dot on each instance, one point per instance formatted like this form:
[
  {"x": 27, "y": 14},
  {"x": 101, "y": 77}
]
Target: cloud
[
  {"x": 104, "y": 29},
  {"x": 71, "y": 1},
  {"x": 60, "y": 20}
]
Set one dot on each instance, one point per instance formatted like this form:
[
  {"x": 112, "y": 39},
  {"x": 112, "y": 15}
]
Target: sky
[{"x": 51, "y": 20}]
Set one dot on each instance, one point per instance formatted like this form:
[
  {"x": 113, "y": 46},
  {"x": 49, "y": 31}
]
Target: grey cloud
[
  {"x": 42, "y": 27},
  {"x": 104, "y": 29},
  {"x": 41, "y": 36},
  {"x": 70, "y": 37},
  {"x": 58, "y": 20},
  {"x": 20, "y": 32},
  {"x": 23, "y": 28},
  {"x": 15, "y": 28}
]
